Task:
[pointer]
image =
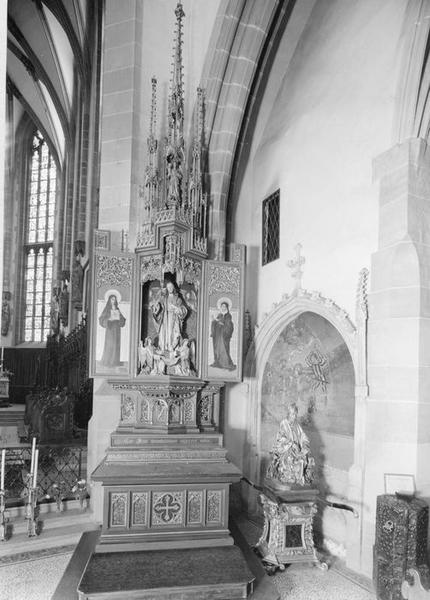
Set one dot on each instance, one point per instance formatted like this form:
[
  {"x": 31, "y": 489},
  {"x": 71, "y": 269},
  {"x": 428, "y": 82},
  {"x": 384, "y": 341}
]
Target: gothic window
[
  {"x": 270, "y": 242},
  {"x": 39, "y": 238}
]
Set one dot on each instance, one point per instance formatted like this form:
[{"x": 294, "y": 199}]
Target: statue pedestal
[
  {"x": 288, "y": 529},
  {"x": 166, "y": 483}
]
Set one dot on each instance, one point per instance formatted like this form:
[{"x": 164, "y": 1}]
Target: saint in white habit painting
[{"x": 112, "y": 320}]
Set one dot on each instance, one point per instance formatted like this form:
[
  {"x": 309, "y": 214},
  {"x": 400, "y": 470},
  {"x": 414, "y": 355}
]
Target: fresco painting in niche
[{"x": 309, "y": 365}]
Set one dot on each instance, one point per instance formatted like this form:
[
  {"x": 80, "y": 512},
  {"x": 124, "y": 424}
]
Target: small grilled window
[{"x": 270, "y": 228}]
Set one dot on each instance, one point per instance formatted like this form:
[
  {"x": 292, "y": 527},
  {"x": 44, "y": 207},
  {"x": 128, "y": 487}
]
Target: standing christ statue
[{"x": 169, "y": 314}]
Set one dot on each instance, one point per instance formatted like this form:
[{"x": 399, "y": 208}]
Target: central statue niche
[{"x": 168, "y": 328}]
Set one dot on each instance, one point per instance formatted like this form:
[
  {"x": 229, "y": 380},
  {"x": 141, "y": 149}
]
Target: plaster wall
[
  {"x": 327, "y": 110},
  {"x": 331, "y": 115}
]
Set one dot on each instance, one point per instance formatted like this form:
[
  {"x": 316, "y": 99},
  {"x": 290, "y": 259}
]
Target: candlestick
[
  {"x": 36, "y": 460},
  {"x": 33, "y": 449},
  {"x": 3, "y": 461}
]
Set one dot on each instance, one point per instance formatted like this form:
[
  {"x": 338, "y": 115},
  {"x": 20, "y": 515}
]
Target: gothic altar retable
[{"x": 167, "y": 333}]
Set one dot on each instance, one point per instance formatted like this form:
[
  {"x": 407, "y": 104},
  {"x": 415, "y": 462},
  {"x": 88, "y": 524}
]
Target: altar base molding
[{"x": 166, "y": 481}]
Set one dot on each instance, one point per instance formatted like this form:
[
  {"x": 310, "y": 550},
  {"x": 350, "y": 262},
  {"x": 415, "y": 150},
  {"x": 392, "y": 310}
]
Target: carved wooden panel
[
  {"x": 195, "y": 507},
  {"x": 168, "y": 508},
  {"x": 118, "y": 509},
  {"x": 214, "y": 507},
  {"x": 140, "y": 506}
]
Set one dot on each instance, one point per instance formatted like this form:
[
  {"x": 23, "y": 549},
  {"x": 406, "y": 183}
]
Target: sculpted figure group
[
  {"x": 173, "y": 349},
  {"x": 291, "y": 462}
]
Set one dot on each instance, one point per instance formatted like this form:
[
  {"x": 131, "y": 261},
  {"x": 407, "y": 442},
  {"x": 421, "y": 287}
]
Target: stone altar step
[
  {"x": 115, "y": 473},
  {"x": 264, "y": 588},
  {"x": 194, "y": 574},
  {"x": 144, "y": 438},
  {"x": 160, "y": 454}
]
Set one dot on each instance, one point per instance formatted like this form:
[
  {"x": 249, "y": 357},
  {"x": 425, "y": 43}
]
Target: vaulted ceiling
[{"x": 47, "y": 61}]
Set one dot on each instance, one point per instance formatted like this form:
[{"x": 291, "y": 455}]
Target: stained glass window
[
  {"x": 270, "y": 241},
  {"x": 39, "y": 237}
]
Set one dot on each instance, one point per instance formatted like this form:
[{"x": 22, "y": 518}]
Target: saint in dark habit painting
[
  {"x": 112, "y": 320},
  {"x": 221, "y": 331}
]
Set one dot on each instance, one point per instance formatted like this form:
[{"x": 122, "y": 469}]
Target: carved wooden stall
[{"x": 167, "y": 334}]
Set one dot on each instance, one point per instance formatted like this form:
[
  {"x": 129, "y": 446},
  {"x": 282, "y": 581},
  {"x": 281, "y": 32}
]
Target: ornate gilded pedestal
[{"x": 288, "y": 529}]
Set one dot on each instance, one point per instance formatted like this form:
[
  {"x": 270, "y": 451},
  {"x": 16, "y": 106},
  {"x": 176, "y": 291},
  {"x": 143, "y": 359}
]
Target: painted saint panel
[
  {"x": 113, "y": 275},
  {"x": 223, "y": 321}
]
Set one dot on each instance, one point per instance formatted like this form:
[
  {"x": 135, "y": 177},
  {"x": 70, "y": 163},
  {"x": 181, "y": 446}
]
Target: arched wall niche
[{"x": 310, "y": 333}]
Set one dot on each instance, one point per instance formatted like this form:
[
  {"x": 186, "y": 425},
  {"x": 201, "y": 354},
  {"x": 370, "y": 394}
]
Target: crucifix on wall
[{"x": 295, "y": 264}]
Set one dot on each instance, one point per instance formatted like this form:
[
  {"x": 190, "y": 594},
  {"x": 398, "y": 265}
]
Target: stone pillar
[
  {"x": 3, "y": 55},
  {"x": 121, "y": 172},
  {"x": 397, "y": 435},
  {"x": 121, "y": 169}
]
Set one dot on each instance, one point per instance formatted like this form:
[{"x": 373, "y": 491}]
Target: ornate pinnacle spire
[
  {"x": 176, "y": 97},
  {"x": 151, "y": 173},
  {"x": 175, "y": 137},
  {"x": 177, "y": 79},
  {"x": 152, "y": 142}
]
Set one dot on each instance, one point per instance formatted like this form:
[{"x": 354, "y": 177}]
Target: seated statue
[{"x": 291, "y": 461}]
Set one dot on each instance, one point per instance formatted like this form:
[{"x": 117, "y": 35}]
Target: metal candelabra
[
  {"x": 30, "y": 507},
  {"x": 80, "y": 491},
  {"x": 3, "y": 515}
]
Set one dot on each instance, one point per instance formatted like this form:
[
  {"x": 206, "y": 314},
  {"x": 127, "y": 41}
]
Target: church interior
[{"x": 215, "y": 278}]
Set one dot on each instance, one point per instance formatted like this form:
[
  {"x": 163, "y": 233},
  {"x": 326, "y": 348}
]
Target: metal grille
[
  {"x": 60, "y": 465},
  {"x": 270, "y": 241}
]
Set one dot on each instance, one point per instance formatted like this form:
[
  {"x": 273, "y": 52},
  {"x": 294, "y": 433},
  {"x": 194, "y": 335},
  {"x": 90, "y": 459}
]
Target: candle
[
  {"x": 2, "y": 353},
  {"x": 3, "y": 460},
  {"x": 36, "y": 460},
  {"x": 33, "y": 449}
]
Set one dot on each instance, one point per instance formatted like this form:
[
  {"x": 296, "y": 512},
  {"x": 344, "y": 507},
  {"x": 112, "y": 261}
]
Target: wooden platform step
[{"x": 192, "y": 573}]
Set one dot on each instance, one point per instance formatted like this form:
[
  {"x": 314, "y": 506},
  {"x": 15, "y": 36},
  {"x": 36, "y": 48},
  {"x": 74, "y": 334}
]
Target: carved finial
[
  {"x": 199, "y": 125},
  {"x": 176, "y": 98},
  {"x": 296, "y": 265},
  {"x": 149, "y": 192},
  {"x": 174, "y": 152},
  {"x": 249, "y": 334},
  {"x": 361, "y": 303},
  {"x": 152, "y": 142}
]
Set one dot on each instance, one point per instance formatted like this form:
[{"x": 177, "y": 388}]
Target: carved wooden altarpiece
[{"x": 167, "y": 334}]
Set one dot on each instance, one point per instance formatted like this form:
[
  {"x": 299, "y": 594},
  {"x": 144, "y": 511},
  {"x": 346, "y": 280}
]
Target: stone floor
[
  {"x": 37, "y": 578},
  {"x": 302, "y": 582},
  {"x": 32, "y": 579},
  {"x": 307, "y": 582}
]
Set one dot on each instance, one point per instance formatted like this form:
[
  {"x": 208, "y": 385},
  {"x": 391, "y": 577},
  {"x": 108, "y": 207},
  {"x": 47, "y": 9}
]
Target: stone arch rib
[
  {"x": 240, "y": 38},
  {"x": 413, "y": 111}
]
